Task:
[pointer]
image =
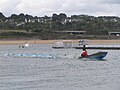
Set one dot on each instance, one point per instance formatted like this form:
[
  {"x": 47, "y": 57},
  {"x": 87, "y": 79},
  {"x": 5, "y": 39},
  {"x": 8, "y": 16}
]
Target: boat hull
[{"x": 96, "y": 56}]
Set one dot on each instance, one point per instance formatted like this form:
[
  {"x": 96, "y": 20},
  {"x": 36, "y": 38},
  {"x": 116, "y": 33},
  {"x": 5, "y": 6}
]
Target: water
[{"x": 65, "y": 73}]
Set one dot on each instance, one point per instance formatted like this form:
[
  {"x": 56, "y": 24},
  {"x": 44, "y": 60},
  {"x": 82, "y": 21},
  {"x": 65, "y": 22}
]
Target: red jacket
[{"x": 84, "y": 54}]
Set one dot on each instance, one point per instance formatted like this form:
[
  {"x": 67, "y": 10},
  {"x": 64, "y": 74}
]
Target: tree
[
  {"x": 62, "y": 16},
  {"x": 14, "y": 17},
  {"x": 55, "y": 17},
  {"x": 21, "y": 17},
  {"x": 2, "y": 17},
  {"x": 27, "y": 17}
]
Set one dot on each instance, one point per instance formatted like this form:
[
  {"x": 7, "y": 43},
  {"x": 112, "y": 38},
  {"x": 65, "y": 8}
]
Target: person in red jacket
[{"x": 84, "y": 53}]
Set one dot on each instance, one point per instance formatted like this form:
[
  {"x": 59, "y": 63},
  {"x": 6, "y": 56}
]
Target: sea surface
[{"x": 63, "y": 73}]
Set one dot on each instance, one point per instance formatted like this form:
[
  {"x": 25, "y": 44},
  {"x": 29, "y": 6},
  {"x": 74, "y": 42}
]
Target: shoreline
[{"x": 8, "y": 42}]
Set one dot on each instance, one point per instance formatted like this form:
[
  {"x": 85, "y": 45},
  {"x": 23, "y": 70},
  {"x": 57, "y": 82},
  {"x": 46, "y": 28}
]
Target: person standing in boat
[{"x": 84, "y": 53}]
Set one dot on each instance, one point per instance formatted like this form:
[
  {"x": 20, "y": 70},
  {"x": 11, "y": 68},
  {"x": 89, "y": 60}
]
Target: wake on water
[{"x": 36, "y": 55}]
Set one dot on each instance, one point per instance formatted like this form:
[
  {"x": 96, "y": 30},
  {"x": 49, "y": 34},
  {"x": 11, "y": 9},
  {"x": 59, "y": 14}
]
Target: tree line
[{"x": 60, "y": 22}]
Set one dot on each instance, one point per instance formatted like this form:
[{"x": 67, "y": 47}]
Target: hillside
[{"x": 27, "y": 26}]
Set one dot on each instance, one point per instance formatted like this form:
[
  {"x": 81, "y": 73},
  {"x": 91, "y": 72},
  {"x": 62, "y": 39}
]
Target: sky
[{"x": 69, "y": 7}]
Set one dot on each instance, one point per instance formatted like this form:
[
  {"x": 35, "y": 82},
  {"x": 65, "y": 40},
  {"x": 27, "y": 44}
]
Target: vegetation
[{"x": 45, "y": 27}]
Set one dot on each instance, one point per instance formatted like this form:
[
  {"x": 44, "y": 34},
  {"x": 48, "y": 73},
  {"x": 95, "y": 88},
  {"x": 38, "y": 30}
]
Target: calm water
[{"x": 65, "y": 73}]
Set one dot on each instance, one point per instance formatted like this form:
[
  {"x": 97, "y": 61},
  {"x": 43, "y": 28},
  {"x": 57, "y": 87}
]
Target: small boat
[
  {"x": 96, "y": 56},
  {"x": 25, "y": 46}
]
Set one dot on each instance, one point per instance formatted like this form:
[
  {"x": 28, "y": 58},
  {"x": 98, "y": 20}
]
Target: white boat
[{"x": 26, "y": 45}]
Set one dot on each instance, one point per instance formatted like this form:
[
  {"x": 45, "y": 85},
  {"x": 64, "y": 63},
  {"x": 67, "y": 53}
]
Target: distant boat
[
  {"x": 83, "y": 42},
  {"x": 97, "y": 56},
  {"x": 26, "y": 45}
]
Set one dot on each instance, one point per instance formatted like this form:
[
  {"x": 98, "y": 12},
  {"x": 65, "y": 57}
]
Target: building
[
  {"x": 114, "y": 33},
  {"x": 63, "y": 44},
  {"x": 72, "y": 32}
]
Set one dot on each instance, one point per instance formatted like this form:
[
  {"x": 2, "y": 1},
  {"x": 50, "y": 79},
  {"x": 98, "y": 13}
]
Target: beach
[{"x": 8, "y": 42}]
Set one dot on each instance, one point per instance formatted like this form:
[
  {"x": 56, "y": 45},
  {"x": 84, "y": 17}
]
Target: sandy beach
[{"x": 5, "y": 42}]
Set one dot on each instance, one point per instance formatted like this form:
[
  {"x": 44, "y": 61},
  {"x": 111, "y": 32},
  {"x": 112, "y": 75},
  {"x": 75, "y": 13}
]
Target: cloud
[
  {"x": 8, "y": 6},
  {"x": 70, "y": 7},
  {"x": 40, "y": 7},
  {"x": 109, "y": 7}
]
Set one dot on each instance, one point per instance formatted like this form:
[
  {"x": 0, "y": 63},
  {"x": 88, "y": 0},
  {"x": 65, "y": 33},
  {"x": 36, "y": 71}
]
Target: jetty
[
  {"x": 66, "y": 44},
  {"x": 91, "y": 47},
  {"x": 100, "y": 47}
]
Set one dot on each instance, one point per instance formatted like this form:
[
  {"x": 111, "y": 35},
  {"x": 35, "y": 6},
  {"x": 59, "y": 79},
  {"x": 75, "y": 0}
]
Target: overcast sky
[{"x": 70, "y": 7}]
